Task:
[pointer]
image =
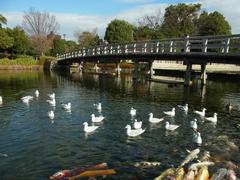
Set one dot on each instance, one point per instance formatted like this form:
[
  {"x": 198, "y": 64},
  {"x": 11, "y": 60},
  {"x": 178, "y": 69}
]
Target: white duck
[
  {"x": 137, "y": 124},
  {"x": 201, "y": 113},
  {"x": 67, "y": 106},
  {"x": 212, "y": 119},
  {"x": 171, "y": 127},
  {"x": 1, "y": 101},
  {"x": 133, "y": 111},
  {"x": 51, "y": 96},
  {"x": 37, "y": 93},
  {"x": 52, "y": 102},
  {"x": 26, "y": 99},
  {"x": 134, "y": 132},
  {"x": 51, "y": 114},
  {"x": 193, "y": 124},
  {"x": 184, "y": 108},
  {"x": 98, "y": 106},
  {"x": 89, "y": 129},
  {"x": 96, "y": 119},
  {"x": 197, "y": 138},
  {"x": 154, "y": 120},
  {"x": 170, "y": 113}
]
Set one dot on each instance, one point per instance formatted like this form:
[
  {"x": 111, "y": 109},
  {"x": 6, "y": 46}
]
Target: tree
[
  {"x": 38, "y": 25},
  {"x": 21, "y": 43},
  {"x": 213, "y": 24},
  {"x": 153, "y": 21},
  {"x": 180, "y": 20},
  {"x": 6, "y": 41},
  {"x": 3, "y": 20},
  {"x": 86, "y": 39},
  {"x": 149, "y": 27},
  {"x": 70, "y": 46},
  {"x": 119, "y": 31},
  {"x": 58, "y": 46}
]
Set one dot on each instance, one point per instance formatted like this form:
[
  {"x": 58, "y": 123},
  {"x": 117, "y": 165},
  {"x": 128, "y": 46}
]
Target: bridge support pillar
[
  {"x": 136, "y": 72},
  {"x": 118, "y": 69},
  {"x": 96, "y": 67},
  {"x": 187, "y": 81},
  {"x": 203, "y": 74},
  {"x": 151, "y": 71}
]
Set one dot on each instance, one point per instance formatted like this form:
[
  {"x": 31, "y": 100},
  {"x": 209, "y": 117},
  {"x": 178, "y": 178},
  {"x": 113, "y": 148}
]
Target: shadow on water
[{"x": 37, "y": 148}]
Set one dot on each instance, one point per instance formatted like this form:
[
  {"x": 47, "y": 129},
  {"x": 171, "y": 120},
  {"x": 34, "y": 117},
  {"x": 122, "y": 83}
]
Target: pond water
[{"x": 38, "y": 147}]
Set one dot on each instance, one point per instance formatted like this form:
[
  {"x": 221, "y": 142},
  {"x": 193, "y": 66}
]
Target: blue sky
[{"x": 81, "y": 15}]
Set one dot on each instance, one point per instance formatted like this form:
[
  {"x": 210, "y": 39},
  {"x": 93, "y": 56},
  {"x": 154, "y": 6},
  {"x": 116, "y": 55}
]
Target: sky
[{"x": 86, "y": 15}]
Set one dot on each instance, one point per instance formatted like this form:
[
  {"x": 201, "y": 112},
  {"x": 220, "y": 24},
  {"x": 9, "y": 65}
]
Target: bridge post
[
  {"x": 203, "y": 74},
  {"x": 187, "y": 81},
  {"x": 136, "y": 73},
  {"x": 151, "y": 71},
  {"x": 187, "y": 44},
  {"x": 96, "y": 67},
  {"x": 118, "y": 69}
]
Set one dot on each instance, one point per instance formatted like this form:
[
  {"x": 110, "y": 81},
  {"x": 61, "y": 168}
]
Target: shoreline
[{"x": 21, "y": 67}]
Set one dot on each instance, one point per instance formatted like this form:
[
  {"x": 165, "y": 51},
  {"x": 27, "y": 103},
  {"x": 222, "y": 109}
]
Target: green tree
[
  {"x": 21, "y": 43},
  {"x": 142, "y": 33},
  {"x": 6, "y": 41},
  {"x": 58, "y": 46},
  {"x": 213, "y": 24},
  {"x": 70, "y": 46},
  {"x": 180, "y": 20},
  {"x": 86, "y": 38},
  {"x": 119, "y": 31},
  {"x": 3, "y": 20}
]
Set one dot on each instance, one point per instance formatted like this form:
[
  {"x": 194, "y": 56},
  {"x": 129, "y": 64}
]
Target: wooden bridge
[{"x": 191, "y": 50}]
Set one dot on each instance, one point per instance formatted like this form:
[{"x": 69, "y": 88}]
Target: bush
[
  {"x": 42, "y": 59},
  {"x": 18, "y": 61}
]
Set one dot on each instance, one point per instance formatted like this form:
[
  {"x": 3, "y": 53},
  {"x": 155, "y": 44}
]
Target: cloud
[
  {"x": 13, "y": 18},
  {"x": 135, "y": 1},
  {"x": 133, "y": 14},
  {"x": 72, "y": 22}
]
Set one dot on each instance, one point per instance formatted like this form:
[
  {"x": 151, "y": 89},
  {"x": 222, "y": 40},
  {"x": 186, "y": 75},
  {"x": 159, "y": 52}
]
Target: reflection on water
[{"x": 37, "y": 147}]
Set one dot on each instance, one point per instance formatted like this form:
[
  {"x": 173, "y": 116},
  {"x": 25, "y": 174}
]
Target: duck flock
[{"x": 132, "y": 130}]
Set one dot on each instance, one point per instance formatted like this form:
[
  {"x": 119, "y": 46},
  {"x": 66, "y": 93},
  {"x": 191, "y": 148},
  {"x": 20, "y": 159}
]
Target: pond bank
[{"x": 21, "y": 67}]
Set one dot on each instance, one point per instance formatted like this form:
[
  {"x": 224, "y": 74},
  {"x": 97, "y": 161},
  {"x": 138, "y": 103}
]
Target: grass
[
  {"x": 23, "y": 62},
  {"x": 26, "y": 61}
]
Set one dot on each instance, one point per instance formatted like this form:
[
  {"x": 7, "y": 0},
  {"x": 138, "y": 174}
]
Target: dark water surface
[{"x": 37, "y": 147}]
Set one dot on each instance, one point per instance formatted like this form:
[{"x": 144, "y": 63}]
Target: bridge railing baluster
[
  {"x": 187, "y": 45},
  {"x": 157, "y": 47},
  {"x": 134, "y": 48},
  {"x": 126, "y": 49},
  {"x": 204, "y": 45},
  {"x": 227, "y": 43},
  {"x": 171, "y": 46},
  {"x": 145, "y": 47}
]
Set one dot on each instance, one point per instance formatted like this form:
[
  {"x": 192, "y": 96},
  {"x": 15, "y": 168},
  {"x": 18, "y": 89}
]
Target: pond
[{"x": 37, "y": 147}]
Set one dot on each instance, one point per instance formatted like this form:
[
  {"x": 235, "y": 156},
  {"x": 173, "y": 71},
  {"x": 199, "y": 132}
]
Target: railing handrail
[{"x": 221, "y": 43}]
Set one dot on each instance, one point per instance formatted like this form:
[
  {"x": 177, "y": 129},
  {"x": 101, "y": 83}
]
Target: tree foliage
[
  {"x": 86, "y": 38},
  {"x": 6, "y": 41},
  {"x": 21, "y": 43},
  {"x": 142, "y": 33},
  {"x": 39, "y": 25},
  {"x": 149, "y": 27},
  {"x": 180, "y": 20},
  {"x": 3, "y": 20},
  {"x": 213, "y": 24},
  {"x": 119, "y": 31}
]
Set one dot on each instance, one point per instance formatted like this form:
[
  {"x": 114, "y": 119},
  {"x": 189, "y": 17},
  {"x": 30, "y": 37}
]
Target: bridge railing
[{"x": 199, "y": 45}]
